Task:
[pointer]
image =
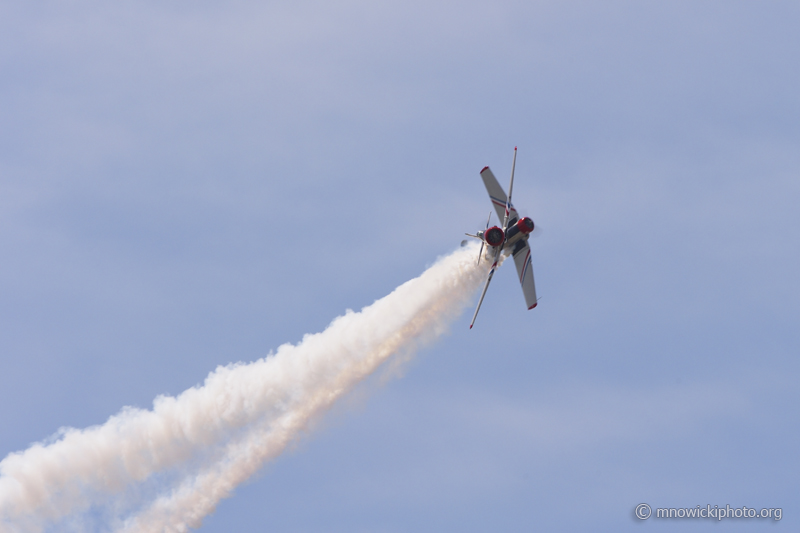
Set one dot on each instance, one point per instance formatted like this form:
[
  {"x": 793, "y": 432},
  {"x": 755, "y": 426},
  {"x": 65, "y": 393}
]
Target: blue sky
[{"x": 192, "y": 184}]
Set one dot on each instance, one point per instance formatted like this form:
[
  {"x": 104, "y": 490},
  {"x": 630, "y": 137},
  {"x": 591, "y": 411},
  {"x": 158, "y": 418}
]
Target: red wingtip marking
[
  {"x": 484, "y": 168},
  {"x": 470, "y": 326},
  {"x": 534, "y": 305},
  {"x": 515, "y": 148}
]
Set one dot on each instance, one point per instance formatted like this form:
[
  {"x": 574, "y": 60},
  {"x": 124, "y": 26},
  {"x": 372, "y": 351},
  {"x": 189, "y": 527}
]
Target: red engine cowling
[
  {"x": 494, "y": 236},
  {"x": 525, "y": 225}
]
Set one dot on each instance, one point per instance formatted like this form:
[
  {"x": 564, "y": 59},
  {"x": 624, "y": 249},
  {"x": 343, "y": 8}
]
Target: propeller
[
  {"x": 510, "y": 189},
  {"x": 483, "y": 242},
  {"x": 499, "y": 246},
  {"x": 486, "y": 287}
]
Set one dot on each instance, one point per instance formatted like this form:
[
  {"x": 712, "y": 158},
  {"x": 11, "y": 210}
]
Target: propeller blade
[
  {"x": 510, "y": 188},
  {"x": 482, "y": 241},
  {"x": 485, "y": 287}
]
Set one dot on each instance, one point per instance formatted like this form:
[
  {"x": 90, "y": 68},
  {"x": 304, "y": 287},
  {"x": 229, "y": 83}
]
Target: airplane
[{"x": 511, "y": 238}]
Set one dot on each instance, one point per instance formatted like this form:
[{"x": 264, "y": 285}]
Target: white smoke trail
[{"x": 243, "y": 415}]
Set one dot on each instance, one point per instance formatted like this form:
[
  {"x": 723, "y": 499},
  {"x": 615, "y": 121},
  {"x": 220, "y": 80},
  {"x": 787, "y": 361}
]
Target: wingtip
[
  {"x": 515, "y": 148},
  {"x": 534, "y": 305},
  {"x": 470, "y": 326},
  {"x": 484, "y": 169}
]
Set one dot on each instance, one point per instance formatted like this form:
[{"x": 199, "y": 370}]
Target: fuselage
[{"x": 517, "y": 234}]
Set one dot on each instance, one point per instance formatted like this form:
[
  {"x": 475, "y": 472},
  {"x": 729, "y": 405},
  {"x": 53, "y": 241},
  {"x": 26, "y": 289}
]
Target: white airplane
[{"x": 512, "y": 238}]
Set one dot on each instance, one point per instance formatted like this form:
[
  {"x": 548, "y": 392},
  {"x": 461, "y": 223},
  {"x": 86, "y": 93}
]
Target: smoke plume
[{"x": 165, "y": 469}]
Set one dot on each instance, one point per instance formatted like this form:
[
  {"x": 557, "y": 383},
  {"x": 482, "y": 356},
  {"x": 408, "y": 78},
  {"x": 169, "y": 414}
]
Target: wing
[
  {"x": 498, "y": 196},
  {"x": 522, "y": 260}
]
